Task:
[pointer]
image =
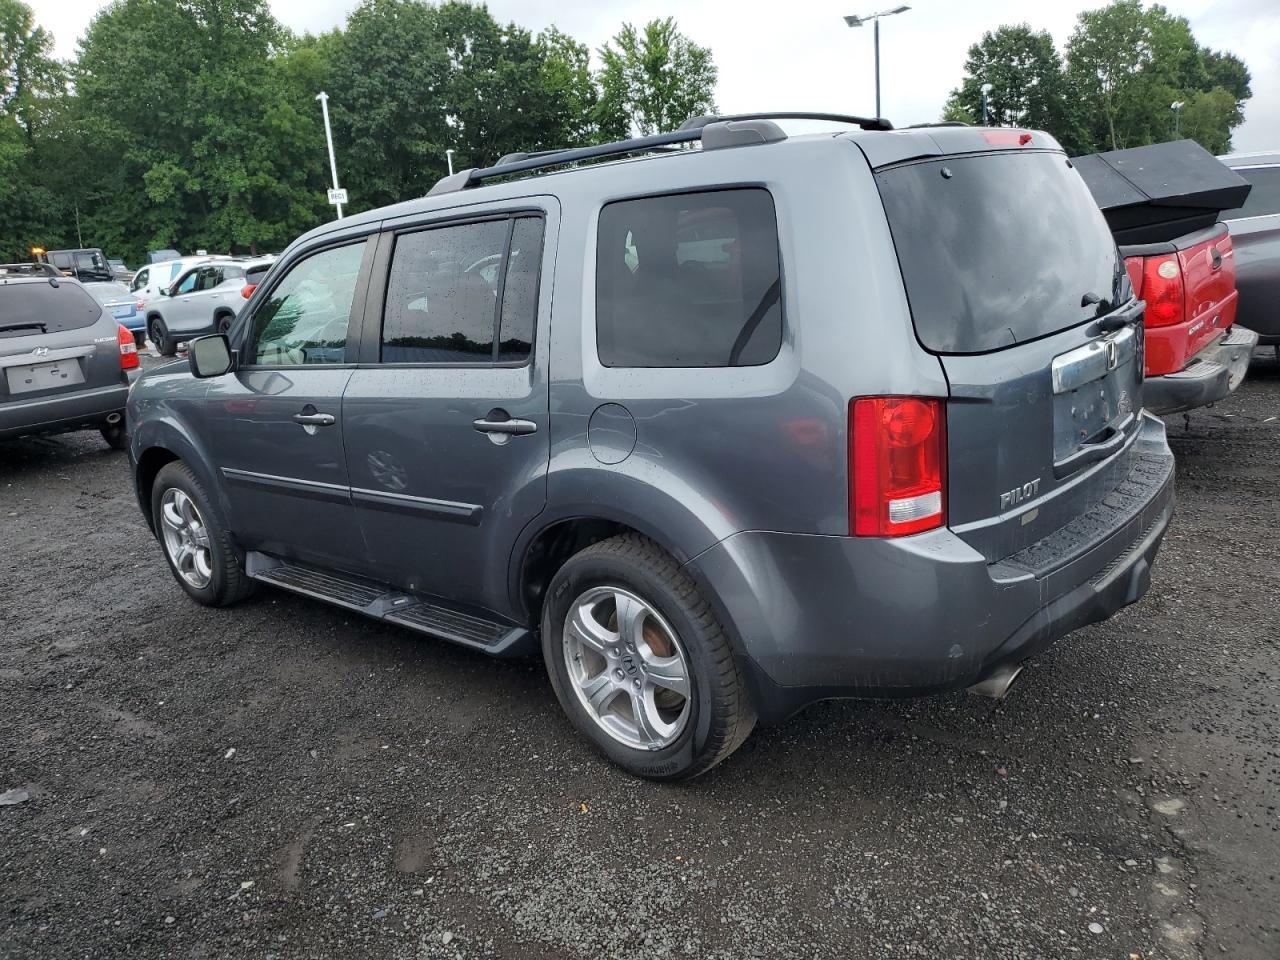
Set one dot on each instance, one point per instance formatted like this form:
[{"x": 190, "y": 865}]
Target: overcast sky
[{"x": 799, "y": 54}]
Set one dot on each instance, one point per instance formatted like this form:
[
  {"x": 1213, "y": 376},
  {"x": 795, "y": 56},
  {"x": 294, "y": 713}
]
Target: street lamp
[
  {"x": 448, "y": 157},
  {"x": 337, "y": 196},
  {"x": 986, "y": 89},
  {"x": 855, "y": 21},
  {"x": 1176, "y": 107}
]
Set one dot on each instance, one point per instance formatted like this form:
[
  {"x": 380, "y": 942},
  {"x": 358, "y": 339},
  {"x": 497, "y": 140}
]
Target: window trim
[
  {"x": 661, "y": 195},
  {"x": 355, "y": 322},
  {"x": 459, "y": 220}
]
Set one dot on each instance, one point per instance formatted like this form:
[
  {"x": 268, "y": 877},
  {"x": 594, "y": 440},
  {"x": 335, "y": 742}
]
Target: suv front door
[
  {"x": 274, "y": 424},
  {"x": 447, "y": 437}
]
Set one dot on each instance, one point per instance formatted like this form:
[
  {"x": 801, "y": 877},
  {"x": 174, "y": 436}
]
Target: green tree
[
  {"x": 1029, "y": 88},
  {"x": 31, "y": 80},
  {"x": 652, "y": 81}
]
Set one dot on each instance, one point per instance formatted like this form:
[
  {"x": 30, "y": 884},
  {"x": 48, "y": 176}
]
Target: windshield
[
  {"x": 28, "y": 309},
  {"x": 998, "y": 249}
]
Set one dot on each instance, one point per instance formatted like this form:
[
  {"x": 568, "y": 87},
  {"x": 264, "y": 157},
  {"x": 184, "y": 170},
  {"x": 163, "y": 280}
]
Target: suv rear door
[
  {"x": 1014, "y": 281},
  {"x": 447, "y": 432},
  {"x": 1255, "y": 229}
]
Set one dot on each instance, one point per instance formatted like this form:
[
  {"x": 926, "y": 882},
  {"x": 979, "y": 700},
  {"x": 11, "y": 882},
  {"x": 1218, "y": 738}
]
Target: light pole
[
  {"x": 1176, "y": 107},
  {"x": 333, "y": 164},
  {"x": 856, "y": 21},
  {"x": 448, "y": 156},
  {"x": 986, "y": 89}
]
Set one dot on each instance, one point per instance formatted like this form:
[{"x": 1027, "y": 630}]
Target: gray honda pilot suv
[{"x": 726, "y": 421}]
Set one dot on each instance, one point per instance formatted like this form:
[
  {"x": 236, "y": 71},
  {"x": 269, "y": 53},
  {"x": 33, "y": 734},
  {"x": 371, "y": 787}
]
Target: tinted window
[
  {"x": 1263, "y": 199},
  {"x": 997, "y": 249},
  {"x": 305, "y": 318},
  {"x": 61, "y": 260},
  {"x": 442, "y": 295},
  {"x": 689, "y": 281},
  {"x": 210, "y": 277},
  {"x": 29, "y": 309}
]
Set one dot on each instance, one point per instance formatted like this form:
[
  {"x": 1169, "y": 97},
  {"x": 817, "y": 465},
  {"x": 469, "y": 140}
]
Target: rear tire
[
  {"x": 160, "y": 338},
  {"x": 630, "y": 580},
  {"x": 116, "y": 435},
  {"x": 194, "y": 539}
]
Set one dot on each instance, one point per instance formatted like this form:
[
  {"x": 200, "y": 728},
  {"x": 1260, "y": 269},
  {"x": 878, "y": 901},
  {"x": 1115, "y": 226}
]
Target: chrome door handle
[
  {"x": 508, "y": 427},
  {"x": 315, "y": 419}
]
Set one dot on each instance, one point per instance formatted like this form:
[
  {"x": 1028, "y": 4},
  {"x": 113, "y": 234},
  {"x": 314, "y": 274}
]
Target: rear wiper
[{"x": 29, "y": 325}]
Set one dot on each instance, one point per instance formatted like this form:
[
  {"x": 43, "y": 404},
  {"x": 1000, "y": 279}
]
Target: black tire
[
  {"x": 160, "y": 337},
  {"x": 115, "y": 434},
  {"x": 722, "y": 714},
  {"x": 228, "y": 583}
]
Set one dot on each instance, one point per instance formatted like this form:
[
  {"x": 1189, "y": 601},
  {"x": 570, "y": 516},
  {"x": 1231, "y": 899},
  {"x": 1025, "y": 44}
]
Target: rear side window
[
  {"x": 453, "y": 297},
  {"x": 1263, "y": 199},
  {"x": 997, "y": 249},
  {"x": 30, "y": 309},
  {"x": 689, "y": 280}
]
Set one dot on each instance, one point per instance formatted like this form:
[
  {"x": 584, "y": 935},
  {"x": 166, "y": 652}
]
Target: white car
[
  {"x": 153, "y": 278},
  {"x": 204, "y": 298}
]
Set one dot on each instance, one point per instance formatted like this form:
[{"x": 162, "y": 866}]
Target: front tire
[
  {"x": 160, "y": 338},
  {"x": 194, "y": 540},
  {"x": 639, "y": 662}
]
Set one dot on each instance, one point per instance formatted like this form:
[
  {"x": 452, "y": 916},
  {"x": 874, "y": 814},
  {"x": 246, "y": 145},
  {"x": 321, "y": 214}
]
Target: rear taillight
[
  {"x": 1162, "y": 289},
  {"x": 247, "y": 290},
  {"x": 128, "y": 348},
  {"x": 897, "y": 465}
]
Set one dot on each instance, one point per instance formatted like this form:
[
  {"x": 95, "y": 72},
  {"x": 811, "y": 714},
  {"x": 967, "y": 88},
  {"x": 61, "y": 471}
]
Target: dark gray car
[
  {"x": 65, "y": 361},
  {"x": 1255, "y": 231},
  {"x": 724, "y": 430}
]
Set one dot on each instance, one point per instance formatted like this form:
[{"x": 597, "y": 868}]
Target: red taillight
[
  {"x": 128, "y": 348},
  {"x": 897, "y": 465},
  {"x": 1006, "y": 137},
  {"x": 1162, "y": 289},
  {"x": 247, "y": 290}
]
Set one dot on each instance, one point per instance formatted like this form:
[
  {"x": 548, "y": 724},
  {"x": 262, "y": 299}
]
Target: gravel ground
[{"x": 286, "y": 780}]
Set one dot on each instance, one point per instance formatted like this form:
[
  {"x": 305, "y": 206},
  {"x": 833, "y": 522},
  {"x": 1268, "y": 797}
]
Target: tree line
[
  {"x": 193, "y": 124},
  {"x": 1124, "y": 68}
]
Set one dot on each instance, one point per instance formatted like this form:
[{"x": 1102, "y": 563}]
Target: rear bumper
[
  {"x": 57, "y": 414},
  {"x": 817, "y": 617},
  {"x": 1211, "y": 374}
]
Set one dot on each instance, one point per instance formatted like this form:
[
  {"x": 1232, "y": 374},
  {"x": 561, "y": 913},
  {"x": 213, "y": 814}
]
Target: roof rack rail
[
  {"x": 938, "y": 123},
  {"x": 30, "y": 269},
  {"x": 866, "y": 123},
  {"x": 716, "y": 133}
]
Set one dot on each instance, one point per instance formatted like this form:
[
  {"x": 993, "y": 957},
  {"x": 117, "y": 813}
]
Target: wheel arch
[{"x": 156, "y": 444}]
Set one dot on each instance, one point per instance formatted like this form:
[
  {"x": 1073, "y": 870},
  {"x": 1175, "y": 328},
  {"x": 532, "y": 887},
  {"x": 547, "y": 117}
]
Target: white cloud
[{"x": 802, "y": 56}]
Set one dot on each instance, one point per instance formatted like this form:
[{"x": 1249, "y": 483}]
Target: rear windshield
[
  {"x": 107, "y": 292},
  {"x": 29, "y": 309},
  {"x": 998, "y": 249}
]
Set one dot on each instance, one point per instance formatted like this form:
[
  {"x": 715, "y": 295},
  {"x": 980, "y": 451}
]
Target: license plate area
[
  {"x": 44, "y": 376},
  {"x": 1096, "y": 392}
]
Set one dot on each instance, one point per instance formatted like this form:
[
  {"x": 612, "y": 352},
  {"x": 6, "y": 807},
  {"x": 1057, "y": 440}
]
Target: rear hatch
[
  {"x": 1014, "y": 282},
  {"x": 54, "y": 338}
]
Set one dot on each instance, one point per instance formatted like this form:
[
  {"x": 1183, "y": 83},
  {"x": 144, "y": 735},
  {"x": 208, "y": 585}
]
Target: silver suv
[
  {"x": 723, "y": 422},
  {"x": 204, "y": 298}
]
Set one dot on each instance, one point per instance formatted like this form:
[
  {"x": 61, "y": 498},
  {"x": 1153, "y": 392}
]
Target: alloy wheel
[
  {"x": 186, "y": 538},
  {"x": 627, "y": 668}
]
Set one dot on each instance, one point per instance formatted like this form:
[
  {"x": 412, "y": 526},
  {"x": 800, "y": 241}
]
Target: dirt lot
[{"x": 284, "y": 780}]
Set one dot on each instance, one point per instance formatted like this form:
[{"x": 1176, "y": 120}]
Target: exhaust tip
[
  {"x": 113, "y": 418},
  {"x": 997, "y": 684}
]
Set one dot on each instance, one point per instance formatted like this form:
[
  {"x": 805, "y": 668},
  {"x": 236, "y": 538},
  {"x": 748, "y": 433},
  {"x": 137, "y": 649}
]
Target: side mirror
[{"x": 209, "y": 356}]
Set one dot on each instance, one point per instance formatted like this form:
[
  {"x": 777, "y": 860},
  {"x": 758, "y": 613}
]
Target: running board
[{"x": 381, "y": 602}]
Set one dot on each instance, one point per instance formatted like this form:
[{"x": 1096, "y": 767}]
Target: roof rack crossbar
[{"x": 866, "y": 123}]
